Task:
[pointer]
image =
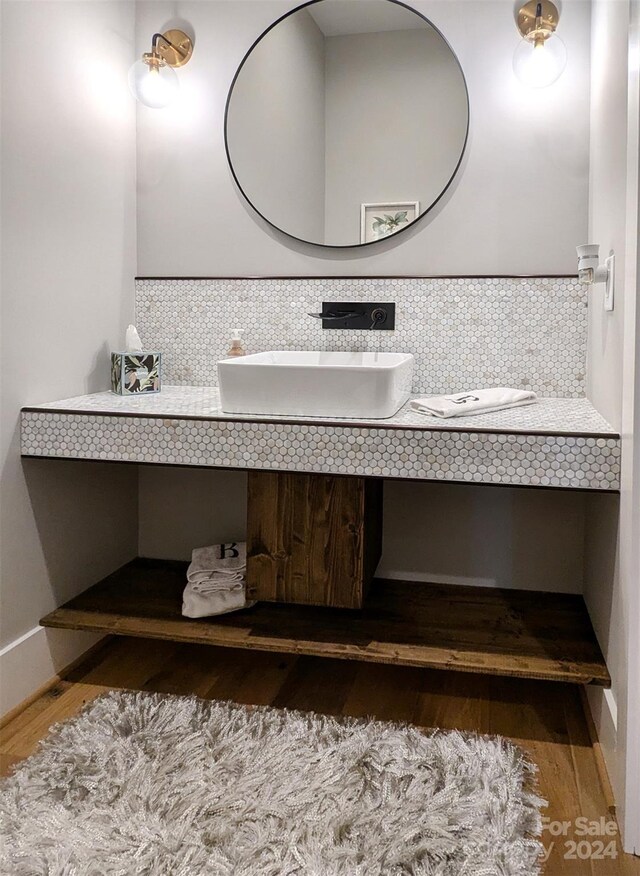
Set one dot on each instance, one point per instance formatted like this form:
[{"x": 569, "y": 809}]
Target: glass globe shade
[
  {"x": 538, "y": 66},
  {"x": 154, "y": 86}
]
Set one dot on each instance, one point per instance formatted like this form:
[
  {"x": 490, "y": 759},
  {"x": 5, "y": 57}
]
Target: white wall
[
  {"x": 607, "y": 194},
  {"x": 68, "y": 225},
  {"x": 396, "y": 118},
  {"x": 199, "y": 507},
  {"x": 612, "y": 551},
  {"x": 276, "y": 127},
  {"x": 440, "y": 533},
  {"x": 519, "y": 205},
  {"x": 486, "y": 536}
]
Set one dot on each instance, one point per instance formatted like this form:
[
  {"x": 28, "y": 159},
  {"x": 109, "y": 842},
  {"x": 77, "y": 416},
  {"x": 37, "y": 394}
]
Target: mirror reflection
[{"x": 346, "y": 121}]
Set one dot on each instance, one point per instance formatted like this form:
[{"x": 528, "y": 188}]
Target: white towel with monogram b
[{"x": 216, "y": 580}]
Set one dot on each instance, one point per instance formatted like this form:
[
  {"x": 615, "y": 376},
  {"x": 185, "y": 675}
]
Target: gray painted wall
[
  {"x": 485, "y": 536},
  {"x": 611, "y": 556},
  {"x": 396, "y": 115},
  {"x": 69, "y": 238},
  {"x": 277, "y": 126}
]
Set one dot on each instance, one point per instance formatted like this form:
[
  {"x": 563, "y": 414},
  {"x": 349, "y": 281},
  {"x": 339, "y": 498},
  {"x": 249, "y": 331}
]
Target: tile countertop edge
[
  {"x": 189, "y": 429},
  {"x": 319, "y": 421},
  {"x": 88, "y": 405}
]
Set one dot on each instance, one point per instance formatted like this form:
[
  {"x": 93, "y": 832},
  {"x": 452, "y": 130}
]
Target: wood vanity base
[
  {"x": 522, "y": 633},
  {"x": 312, "y": 539}
]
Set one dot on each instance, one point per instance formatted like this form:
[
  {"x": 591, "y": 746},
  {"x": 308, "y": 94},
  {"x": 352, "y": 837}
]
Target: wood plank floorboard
[{"x": 545, "y": 718}]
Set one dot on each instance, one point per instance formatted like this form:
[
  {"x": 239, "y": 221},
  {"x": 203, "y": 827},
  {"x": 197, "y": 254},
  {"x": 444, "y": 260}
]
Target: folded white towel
[
  {"x": 218, "y": 567},
  {"x": 216, "y": 580},
  {"x": 231, "y": 557},
  {"x": 196, "y": 604},
  {"x": 215, "y": 584},
  {"x": 481, "y": 401}
]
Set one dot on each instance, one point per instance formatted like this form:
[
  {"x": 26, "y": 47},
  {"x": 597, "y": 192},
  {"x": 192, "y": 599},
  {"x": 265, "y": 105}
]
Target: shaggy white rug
[{"x": 150, "y": 784}]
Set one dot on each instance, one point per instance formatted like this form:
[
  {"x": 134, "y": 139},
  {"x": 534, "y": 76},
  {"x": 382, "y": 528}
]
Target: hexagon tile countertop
[{"x": 559, "y": 442}]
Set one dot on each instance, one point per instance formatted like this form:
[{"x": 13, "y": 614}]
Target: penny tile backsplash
[{"x": 464, "y": 332}]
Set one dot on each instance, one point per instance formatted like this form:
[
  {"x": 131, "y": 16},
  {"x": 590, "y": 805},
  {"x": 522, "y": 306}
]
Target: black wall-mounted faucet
[{"x": 357, "y": 315}]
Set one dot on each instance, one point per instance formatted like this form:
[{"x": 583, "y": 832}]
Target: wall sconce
[
  {"x": 590, "y": 271},
  {"x": 541, "y": 55},
  {"x": 152, "y": 80}
]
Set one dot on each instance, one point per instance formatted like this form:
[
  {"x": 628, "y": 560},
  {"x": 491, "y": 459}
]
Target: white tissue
[{"x": 132, "y": 341}]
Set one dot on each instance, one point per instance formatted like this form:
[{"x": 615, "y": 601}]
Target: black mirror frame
[{"x": 344, "y": 246}]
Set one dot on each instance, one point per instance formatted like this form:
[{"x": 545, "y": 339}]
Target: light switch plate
[{"x": 610, "y": 262}]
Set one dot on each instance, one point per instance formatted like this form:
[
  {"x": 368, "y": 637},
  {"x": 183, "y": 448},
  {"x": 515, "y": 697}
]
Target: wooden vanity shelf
[{"x": 469, "y": 629}]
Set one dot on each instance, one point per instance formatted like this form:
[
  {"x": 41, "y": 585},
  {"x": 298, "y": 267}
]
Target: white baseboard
[
  {"x": 420, "y": 577},
  {"x": 29, "y": 662},
  {"x": 612, "y": 706},
  {"x": 432, "y": 578},
  {"x": 604, "y": 710}
]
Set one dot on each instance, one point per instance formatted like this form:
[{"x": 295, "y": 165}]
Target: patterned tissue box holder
[{"x": 134, "y": 373}]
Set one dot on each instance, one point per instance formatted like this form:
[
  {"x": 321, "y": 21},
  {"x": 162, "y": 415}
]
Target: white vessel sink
[{"x": 306, "y": 384}]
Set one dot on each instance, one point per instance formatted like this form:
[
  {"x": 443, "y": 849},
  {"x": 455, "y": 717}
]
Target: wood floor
[{"x": 545, "y": 718}]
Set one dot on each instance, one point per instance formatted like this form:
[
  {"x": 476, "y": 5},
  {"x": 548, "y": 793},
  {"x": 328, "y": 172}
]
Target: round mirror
[{"x": 346, "y": 121}]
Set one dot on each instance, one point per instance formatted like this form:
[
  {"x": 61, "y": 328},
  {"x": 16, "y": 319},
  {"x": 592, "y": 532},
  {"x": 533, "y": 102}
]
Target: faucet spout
[{"x": 345, "y": 314}]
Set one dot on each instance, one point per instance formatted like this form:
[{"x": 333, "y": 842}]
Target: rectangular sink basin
[{"x": 307, "y": 384}]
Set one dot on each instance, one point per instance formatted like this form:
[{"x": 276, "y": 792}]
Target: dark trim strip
[{"x": 378, "y": 277}]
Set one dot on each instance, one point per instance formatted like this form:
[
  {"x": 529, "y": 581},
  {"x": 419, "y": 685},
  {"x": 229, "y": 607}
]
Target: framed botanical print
[{"x": 382, "y": 220}]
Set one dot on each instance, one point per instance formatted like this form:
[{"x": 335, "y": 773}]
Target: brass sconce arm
[
  {"x": 173, "y": 48},
  {"x": 538, "y": 20}
]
